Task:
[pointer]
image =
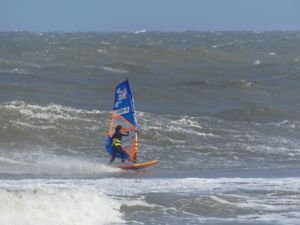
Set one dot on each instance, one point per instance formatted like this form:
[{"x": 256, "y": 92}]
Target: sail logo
[
  {"x": 122, "y": 94},
  {"x": 122, "y": 111}
]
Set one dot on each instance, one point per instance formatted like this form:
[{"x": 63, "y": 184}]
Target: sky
[{"x": 151, "y": 15}]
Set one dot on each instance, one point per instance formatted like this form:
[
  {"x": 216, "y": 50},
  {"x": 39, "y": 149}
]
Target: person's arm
[{"x": 126, "y": 133}]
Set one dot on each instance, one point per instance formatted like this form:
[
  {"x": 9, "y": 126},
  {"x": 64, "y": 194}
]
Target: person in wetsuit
[{"x": 117, "y": 144}]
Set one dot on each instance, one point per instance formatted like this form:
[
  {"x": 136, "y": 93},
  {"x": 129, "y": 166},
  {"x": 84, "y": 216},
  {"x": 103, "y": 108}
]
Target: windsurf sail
[{"x": 124, "y": 114}]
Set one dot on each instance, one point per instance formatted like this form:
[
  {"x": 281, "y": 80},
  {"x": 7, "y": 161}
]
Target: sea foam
[{"x": 64, "y": 206}]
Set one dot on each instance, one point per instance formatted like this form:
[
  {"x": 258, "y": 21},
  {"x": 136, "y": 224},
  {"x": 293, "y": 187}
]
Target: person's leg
[
  {"x": 122, "y": 154},
  {"x": 113, "y": 155}
]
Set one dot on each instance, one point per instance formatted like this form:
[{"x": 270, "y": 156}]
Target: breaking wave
[{"x": 65, "y": 206}]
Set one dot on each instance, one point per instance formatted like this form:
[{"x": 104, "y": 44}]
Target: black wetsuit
[{"x": 116, "y": 146}]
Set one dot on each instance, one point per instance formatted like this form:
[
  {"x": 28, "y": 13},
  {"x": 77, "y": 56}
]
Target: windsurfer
[{"x": 117, "y": 144}]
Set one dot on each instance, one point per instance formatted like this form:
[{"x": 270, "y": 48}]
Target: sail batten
[{"x": 124, "y": 114}]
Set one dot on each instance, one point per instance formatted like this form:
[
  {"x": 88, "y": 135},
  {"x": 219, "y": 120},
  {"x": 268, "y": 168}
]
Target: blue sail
[{"x": 124, "y": 103}]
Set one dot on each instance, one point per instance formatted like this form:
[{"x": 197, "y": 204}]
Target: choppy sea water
[{"x": 219, "y": 110}]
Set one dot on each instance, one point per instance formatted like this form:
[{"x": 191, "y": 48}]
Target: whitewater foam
[
  {"x": 181, "y": 124},
  {"x": 114, "y": 70},
  {"x": 103, "y": 51},
  {"x": 28, "y": 125},
  {"x": 230, "y": 185},
  {"x": 51, "y": 112},
  {"x": 65, "y": 206},
  {"x": 40, "y": 162},
  {"x": 256, "y": 62},
  {"x": 14, "y": 71},
  {"x": 140, "y": 31},
  {"x": 245, "y": 196}
]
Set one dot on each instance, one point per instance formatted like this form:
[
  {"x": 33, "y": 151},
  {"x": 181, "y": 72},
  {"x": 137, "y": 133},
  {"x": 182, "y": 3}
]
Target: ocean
[{"x": 219, "y": 110}]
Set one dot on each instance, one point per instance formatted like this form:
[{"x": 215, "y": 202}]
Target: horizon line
[{"x": 141, "y": 31}]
